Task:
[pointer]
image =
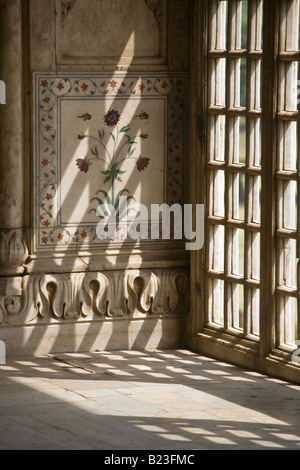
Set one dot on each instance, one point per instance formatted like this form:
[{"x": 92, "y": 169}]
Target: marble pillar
[{"x": 12, "y": 247}]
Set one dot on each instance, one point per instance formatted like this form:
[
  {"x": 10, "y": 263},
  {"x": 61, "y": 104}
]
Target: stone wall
[{"x": 96, "y": 108}]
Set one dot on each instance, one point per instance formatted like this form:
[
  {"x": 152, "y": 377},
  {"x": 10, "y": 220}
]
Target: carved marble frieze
[
  {"x": 115, "y": 294},
  {"x": 98, "y": 137}
]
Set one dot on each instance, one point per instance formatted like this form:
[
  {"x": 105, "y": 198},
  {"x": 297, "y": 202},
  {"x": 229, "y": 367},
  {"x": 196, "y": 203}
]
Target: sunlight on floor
[{"x": 143, "y": 400}]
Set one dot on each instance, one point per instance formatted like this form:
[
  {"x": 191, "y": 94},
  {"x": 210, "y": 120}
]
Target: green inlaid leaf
[
  {"x": 125, "y": 129},
  {"x": 119, "y": 195},
  {"x": 100, "y": 202},
  {"x": 105, "y": 194},
  {"x": 95, "y": 151}
]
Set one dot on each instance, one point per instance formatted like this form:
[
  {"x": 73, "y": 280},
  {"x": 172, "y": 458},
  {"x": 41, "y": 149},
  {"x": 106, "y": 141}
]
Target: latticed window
[
  {"x": 287, "y": 178},
  {"x": 234, "y": 170},
  {"x": 249, "y": 60}
]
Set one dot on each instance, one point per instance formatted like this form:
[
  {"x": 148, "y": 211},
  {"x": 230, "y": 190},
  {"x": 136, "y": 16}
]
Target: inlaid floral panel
[{"x": 97, "y": 139}]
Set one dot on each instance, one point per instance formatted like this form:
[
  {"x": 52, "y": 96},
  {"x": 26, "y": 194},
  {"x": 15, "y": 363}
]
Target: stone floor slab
[{"x": 143, "y": 400}]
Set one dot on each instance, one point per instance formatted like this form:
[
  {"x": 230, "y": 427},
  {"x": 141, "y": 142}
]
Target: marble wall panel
[
  {"x": 97, "y": 31},
  {"x": 101, "y": 137}
]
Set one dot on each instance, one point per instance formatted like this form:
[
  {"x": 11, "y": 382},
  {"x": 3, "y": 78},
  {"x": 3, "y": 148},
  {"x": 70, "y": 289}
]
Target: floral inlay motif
[{"x": 112, "y": 160}]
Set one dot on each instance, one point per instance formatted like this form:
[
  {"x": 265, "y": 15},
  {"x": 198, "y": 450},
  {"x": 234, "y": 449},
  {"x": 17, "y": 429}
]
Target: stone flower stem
[{"x": 11, "y": 117}]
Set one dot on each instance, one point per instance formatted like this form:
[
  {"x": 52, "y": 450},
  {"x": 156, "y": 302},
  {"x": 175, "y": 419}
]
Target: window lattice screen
[
  {"x": 234, "y": 165},
  {"x": 287, "y": 177},
  {"x": 234, "y": 169}
]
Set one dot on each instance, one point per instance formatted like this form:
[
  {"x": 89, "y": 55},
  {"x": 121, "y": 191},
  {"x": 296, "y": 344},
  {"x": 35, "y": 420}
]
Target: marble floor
[{"x": 131, "y": 400}]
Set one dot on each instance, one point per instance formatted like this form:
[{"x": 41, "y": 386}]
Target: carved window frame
[{"x": 266, "y": 340}]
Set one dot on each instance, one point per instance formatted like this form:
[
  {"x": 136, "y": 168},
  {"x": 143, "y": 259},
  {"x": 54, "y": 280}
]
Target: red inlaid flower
[
  {"x": 174, "y": 192},
  {"x": 46, "y": 223},
  {"x": 60, "y": 86},
  {"x": 45, "y": 240},
  {"x": 80, "y": 136},
  {"x": 142, "y": 163},
  {"x": 48, "y": 127},
  {"x": 60, "y": 237},
  {"x": 178, "y": 159},
  {"x": 113, "y": 83},
  {"x": 179, "y": 82},
  {"x": 83, "y": 234},
  {"x": 84, "y": 86},
  {"x": 112, "y": 118},
  {"x": 44, "y": 83},
  {"x": 175, "y": 125},
  {"x": 164, "y": 84},
  {"x": 141, "y": 86},
  {"x": 48, "y": 196},
  {"x": 46, "y": 99},
  {"x": 44, "y": 162},
  {"x": 143, "y": 115},
  {"x": 144, "y": 135},
  {"x": 86, "y": 116},
  {"x": 83, "y": 164}
]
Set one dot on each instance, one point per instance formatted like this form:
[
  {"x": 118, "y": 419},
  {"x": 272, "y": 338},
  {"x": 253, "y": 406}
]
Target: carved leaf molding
[
  {"x": 66, "y": 5},
  {"x": 111, "y": 294},
  {"x": 13, "y": 251},
  {"x": 156, "y": 7}
]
